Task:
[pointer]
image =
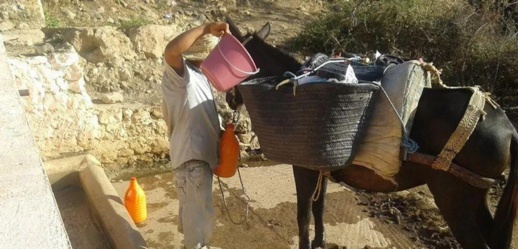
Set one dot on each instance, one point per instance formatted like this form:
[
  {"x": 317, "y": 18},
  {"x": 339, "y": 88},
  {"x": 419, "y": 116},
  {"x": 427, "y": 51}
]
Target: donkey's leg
[
  {"x": 464, "y": 209},
  {"x": 485, "y": 220},
  {"x": 305, "y": 183},
  {"x": 318, "y": 209}
]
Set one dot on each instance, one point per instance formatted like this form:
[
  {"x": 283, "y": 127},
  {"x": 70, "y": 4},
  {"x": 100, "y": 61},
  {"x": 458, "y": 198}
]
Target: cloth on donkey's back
[{"x": 380, "y": 149}]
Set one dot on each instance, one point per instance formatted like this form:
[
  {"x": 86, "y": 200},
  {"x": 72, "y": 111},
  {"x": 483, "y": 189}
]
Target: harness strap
[
  {"x": 468, "y": 176},
  {"x": 460, "y": 136}
]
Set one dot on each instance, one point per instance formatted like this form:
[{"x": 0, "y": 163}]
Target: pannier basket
[{"x": 320, "y": 127}]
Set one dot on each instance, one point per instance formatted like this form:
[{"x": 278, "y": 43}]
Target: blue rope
[{"x": 409, "y": 145}]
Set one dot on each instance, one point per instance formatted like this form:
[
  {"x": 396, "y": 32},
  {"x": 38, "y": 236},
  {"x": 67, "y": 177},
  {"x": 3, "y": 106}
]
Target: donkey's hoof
[{"x": 321, "y": 245}]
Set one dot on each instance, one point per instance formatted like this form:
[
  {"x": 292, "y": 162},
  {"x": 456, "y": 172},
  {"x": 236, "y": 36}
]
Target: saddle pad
[{"x": 381, "y": 147}]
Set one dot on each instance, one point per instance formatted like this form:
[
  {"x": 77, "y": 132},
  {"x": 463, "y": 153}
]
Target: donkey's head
[{"x": 270, "y": 60}]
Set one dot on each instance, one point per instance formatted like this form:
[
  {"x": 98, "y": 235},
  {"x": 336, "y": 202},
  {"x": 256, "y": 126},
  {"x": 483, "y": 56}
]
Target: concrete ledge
[
  {"x": 64, "y": 172},
  {"x": 106, "y": 204},
  {"x": 29, "y": 213}
]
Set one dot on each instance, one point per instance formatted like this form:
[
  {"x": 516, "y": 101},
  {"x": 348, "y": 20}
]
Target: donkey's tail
[{"x": 504, "y": 221}]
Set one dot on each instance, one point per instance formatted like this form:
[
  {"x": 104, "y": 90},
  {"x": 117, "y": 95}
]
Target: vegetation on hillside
[{"x": 473, "y": 45}]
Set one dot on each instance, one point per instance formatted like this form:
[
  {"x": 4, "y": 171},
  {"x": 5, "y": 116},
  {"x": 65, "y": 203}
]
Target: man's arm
[{"x": 175, "y": 48}]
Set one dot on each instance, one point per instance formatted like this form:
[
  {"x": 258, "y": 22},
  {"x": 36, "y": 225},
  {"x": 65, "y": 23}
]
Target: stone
[
  {"x": 151, "y": 40},
  {"x": 74, "y": 73},
  {"x": 156, "y": 112},
  {"x": 254, "y": 143},
  {"x": 125, "y": 74},
  {"x": 23, "y": 37},
  {"x": 6, "y": 25},
  {"x": 126, "y": 114},
  {"x": 104, "y": 118},
  {"x": 112, "y": 98},
  {"x": 243, "y": 126},
  {"x": 71, "y": 15},
  {"x": 22, "y": 25},
  {"x": 245, "y": 138},
  {"x": 4, "y": 15},
  {"x": 100, "y": 44},
  {"x": 141, "y": 117},
  {"x": 244, "y": 155}
]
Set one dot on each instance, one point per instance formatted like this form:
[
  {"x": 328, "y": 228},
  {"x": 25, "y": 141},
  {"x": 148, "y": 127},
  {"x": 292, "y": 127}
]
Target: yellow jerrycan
[{"x": 135, "y": 201}]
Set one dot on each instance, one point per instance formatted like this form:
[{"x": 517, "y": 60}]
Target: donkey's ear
[
  {"x": 233, "y": 28},
  {"x": 264, "y": 31}
]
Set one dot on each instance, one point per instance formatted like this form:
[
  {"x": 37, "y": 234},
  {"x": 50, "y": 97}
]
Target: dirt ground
[
  {"x": 353, "y": 219},
  {"x": 350, "y": 219},
  {"x": 411, "y": 215}
]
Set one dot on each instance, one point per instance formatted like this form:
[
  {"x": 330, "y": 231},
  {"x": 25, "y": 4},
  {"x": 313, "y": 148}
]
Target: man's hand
[
  {"x": 175, "y": 48},
  {"x": 217, "y": 28}
]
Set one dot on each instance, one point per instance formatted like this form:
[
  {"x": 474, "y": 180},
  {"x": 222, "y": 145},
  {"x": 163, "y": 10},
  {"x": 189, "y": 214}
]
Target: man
[{"x": 194, "y": 128}]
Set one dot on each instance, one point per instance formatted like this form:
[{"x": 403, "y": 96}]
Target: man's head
[{"x": 201, "y": 48}]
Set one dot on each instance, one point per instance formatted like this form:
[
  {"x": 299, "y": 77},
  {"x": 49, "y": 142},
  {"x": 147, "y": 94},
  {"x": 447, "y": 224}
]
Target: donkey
[{"x": 492, "y": 146}]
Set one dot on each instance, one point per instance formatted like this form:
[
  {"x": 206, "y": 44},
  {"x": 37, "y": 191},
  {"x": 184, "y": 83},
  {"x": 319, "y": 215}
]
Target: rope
[
  {"x": 235, "y": 119},
  {"x": 318, "y": 188},
  {"x": 409, "y": 145},
  {"x": 436, "y": 74},
  {"x": 247, "y": 201},
  {"x": 294, "y": 78}
]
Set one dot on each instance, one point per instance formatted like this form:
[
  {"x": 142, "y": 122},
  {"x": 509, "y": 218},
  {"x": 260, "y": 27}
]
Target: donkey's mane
[{"x": 275, "y": 52}]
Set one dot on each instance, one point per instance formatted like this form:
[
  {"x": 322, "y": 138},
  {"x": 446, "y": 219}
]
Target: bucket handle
[{"x": 237, "y": 69}]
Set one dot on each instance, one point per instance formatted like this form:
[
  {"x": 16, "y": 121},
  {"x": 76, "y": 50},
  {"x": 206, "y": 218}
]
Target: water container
[
  {"x": 135, "y": 201},
  {"x": 229, "y": 153},
  {"x": 228, "y": 64}
]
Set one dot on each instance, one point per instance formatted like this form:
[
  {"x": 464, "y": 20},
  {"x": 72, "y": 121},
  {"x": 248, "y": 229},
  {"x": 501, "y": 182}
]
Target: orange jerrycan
[
  {"x": 228, "y": 153},
  {"x": 135, "y": 201}
]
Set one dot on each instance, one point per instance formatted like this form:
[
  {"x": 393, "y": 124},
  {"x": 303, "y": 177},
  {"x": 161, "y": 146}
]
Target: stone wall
[
  {"x": 98, "y": 92},
  {"x": 95, "y": 89},
  {"x": 64, "y": 120}
]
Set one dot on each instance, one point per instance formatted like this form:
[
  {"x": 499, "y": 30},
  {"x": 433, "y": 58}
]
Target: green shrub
[
  {"x": 51, "y": 22},
  {"x": 134, "y": 22},
  {"x": 470, "y": 45}
]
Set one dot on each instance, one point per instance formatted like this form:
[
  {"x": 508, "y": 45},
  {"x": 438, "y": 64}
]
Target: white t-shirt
[{"x": 191, "y": 116}]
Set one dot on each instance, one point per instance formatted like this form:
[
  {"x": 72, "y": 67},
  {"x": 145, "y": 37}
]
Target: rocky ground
[{"x": 138, "y": 79}]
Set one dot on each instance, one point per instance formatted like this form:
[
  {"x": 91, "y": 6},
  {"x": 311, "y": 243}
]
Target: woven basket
[{"x": 318, "y": 128}]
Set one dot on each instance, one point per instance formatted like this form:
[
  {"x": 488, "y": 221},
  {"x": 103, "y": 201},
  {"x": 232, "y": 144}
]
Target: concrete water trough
[
  {"x": 89, "y": 212},
  {"x": 92, "y": 211}
]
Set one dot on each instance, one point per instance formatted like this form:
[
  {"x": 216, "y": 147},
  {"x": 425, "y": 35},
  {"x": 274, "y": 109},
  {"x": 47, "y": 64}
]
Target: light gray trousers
[{"x": 193, "y": 182}]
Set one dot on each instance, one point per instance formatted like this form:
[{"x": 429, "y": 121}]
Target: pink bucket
[{"x": 228, "y": 64}]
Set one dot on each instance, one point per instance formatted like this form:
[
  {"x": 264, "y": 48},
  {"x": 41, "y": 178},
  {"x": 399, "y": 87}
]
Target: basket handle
[
  {"x": 291, "y": 78},
  {"x": 294, "y": 78},
  {"x": 333, "y": 60}
]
